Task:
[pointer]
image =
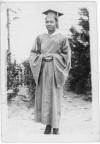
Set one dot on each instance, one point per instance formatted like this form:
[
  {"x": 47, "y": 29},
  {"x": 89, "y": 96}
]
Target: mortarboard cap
[{"x": 53, "y": 12}]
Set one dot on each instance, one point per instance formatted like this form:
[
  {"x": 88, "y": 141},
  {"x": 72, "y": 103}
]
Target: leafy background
[{"x": 79, "y": 79}]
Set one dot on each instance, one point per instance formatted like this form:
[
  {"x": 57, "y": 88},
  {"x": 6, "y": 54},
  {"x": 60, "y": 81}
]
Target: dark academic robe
[{"x": 49, "y": 76}]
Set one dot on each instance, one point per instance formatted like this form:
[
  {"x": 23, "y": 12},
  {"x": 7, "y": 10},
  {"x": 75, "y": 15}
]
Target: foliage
[
  {"x": 12, "y": 81},
  {"x": 12, "y": 73},
  {"x": 28, "y": 79},
  {"x": 80, "y": 79}
]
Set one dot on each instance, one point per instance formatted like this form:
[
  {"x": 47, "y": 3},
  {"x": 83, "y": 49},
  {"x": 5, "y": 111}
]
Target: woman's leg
[
  {"x": 55, "y": 130},
  {"x": 48, "y": 129}
]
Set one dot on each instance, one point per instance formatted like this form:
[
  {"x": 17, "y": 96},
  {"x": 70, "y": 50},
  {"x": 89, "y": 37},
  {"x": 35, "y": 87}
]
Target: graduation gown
[{"x": 49, "y": 76}]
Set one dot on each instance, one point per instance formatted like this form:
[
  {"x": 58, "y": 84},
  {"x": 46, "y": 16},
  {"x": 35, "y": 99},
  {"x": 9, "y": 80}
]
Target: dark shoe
[
  {"x": 55, "y": 130},
  {"x": 47, "y": 129}
]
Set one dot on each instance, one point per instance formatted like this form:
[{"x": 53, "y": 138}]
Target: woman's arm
[
  {"x": 62, "y": 63},
  {"x": 35, "y": 59}
]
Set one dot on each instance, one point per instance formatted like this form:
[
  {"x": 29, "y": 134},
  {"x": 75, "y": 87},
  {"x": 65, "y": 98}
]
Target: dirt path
[{"x": 75, "y": 125}]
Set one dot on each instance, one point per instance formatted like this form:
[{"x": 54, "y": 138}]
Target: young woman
[{"x": 50, "y": 61}]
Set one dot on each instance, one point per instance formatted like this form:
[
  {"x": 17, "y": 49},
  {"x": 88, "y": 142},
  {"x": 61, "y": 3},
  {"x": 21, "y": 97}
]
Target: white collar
[{"x": 56, "y": 32}]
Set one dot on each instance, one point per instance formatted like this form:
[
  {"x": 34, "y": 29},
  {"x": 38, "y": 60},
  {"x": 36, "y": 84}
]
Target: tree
[
  {"x": 29, "y": 81},
  {"x": 28, "y": 77},
  {"x": 80, "y": 80}
]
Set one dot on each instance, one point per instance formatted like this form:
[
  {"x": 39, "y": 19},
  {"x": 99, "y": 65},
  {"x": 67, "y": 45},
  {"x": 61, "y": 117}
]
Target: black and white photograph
[{"x": 49, "y": 72}]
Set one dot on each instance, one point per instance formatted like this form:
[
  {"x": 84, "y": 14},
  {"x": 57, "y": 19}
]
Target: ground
[{"x": 75, "y": 124}]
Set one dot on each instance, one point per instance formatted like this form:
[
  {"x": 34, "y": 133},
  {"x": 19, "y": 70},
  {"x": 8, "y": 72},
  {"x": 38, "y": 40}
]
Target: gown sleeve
[
  {"x": 62, "y": 63},
  {"x": 35, "y": 59}
]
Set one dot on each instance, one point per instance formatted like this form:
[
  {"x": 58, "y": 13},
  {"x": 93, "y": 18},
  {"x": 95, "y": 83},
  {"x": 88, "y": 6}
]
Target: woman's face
[{"x": 50, "y": 23}]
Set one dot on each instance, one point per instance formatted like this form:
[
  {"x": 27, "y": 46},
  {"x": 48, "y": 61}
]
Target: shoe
[
  {"x": 47, "y": 129},
  {"x": 55, "y": 130}
]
